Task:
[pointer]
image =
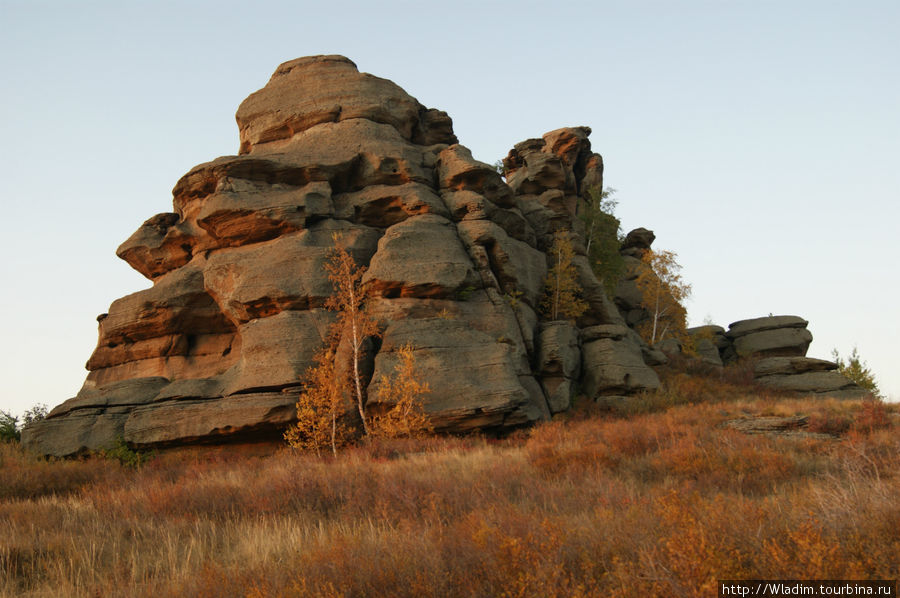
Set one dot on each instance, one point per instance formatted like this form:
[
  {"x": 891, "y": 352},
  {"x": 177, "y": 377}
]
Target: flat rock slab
[
  {"x": 791, "y": 365},
  {"x": 793, "y": 426},
  {"x": 823, "y": 383}
]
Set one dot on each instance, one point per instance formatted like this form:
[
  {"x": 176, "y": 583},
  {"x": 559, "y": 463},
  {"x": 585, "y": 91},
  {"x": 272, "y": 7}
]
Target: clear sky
[{"x": 759, "y": 139}]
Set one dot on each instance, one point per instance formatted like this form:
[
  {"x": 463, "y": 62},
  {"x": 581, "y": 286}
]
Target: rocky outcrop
[
  {"x": 216, "y": 348},
  {"x": 806, "y": 376}
]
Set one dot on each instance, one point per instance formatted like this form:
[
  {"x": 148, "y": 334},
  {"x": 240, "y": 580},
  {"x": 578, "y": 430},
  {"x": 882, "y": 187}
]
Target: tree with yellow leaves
[
  {"x": 562, "y": 293},
  {"x": 320, "y": 407},
  {"x": 353, "y": 319},
  {"x": 663, "y": 291},
  {"x": 406, "y": 419}
]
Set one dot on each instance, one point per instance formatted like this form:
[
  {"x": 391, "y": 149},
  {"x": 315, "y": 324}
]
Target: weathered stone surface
[
  {"x": 248, "y": 212},
  {"x": 321, "y": 89},
  {"x": 559, "y": 362},
  {"x": 637, "y": 242},
  {"x": 669, "y": 346},
  {"x": 457, "y": 170},
  {"x": 277, "y": 350},
  {"x": 235, "y": 417},
  {"x": 613, "y": 364},
  {"x": 216, "y": 349},
  {"x": 755, "y": 325},
  {"x": 707, "y": 351},
  {"x": 385, "y": 205},
  {"x": 518, "y": 268},
  {"x": 791, "y": 365},
  {"x": 827, "y": 383},
  {"x": 765, "y": 337},
  {"x": 474, "y": 379},
  {"x": 263, "y": 279},
  {"x": 78, "y": 432},
  {"x": 422, "y": 256},
  {"x": 781, "y": 341},
  {"x": 805, "y": 375},
  {"x": 159, "y": 246}
]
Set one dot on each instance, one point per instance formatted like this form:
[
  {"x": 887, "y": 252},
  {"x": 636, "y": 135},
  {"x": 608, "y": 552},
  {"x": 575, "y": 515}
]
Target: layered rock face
[
  {"x": 215, "y": 350},
  {"x": 806, "y": 375}
]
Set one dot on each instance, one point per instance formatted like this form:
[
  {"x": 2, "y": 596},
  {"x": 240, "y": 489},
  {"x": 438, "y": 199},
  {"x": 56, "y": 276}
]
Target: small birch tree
[
  {"x": 562, "y": 293},
  {"x": 353, "y": 320},
  {"x": 664, "y": 291}
]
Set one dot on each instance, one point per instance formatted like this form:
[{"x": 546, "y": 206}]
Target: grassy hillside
[{"x": 659, "y": 498}]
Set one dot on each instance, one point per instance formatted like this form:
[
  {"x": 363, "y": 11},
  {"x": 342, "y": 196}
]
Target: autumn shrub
[
  {"x": 872, "y": 415},
  {"x": 23, "y": 476},
  {"x": 828, "y": 423},
  {"x": 403, "y": 393}
]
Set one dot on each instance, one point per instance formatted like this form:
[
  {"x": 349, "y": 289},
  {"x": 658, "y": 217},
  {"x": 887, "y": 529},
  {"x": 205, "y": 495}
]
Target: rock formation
[
  {"x": 216, "y": 348},
  {"x": 777, "y": 344}
]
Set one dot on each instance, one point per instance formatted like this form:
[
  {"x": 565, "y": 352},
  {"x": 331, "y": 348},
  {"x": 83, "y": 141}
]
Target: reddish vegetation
[{"x": 654, "y": 499}]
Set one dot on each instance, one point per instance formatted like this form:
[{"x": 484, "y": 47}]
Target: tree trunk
[{"x": 357, "y": 343}]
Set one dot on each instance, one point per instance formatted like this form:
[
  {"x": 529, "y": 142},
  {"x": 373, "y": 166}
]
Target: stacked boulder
[
  {"x": 767, "y": 337},
  {"x": 628, "y": 297},
  {"x": 216, "y": 349},
  {"x": 778, "y": 346}
]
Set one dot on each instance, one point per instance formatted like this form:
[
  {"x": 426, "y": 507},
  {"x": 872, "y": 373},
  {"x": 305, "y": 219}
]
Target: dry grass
[{"x": 661, "y": 502}]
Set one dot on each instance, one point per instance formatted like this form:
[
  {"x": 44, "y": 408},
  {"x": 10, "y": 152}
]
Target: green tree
[
  {"x": 602, "y": 233},
  {"x": 562, "y": 293},
  {"x": 663, "y": 294},
  {"x": 857, "y": 370},
  {"x": 9, "y": 427}
]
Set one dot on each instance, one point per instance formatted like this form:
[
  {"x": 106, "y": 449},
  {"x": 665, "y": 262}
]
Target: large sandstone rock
[
  {"x": 613, "y": 363},
  {"x": 559, "y": 362},
  {"x": 216, "y": 349}
]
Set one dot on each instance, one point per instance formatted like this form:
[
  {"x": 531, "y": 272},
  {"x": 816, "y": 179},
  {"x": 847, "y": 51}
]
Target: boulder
[
  {"x": 637, "y": 242},
  {"x": 768, "y": 337},
  {"x": 613, "y": 364},
  {"x": 709, "y": 343}
]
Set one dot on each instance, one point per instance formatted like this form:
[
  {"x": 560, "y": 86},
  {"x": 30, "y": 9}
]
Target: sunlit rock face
[{"x": 214, "y": 351}]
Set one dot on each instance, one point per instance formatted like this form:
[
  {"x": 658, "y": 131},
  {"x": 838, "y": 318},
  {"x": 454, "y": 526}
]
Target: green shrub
[
  {"x": 603, "y": 237},
  {"x": 857, "y": 370},
  {"x": 125, "y": 455},
  {"x": 9, "y": 427}
]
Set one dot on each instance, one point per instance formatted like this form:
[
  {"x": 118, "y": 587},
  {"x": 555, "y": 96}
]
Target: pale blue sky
[{"x": 760, "y": 140}]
